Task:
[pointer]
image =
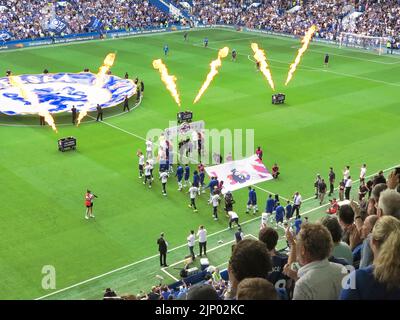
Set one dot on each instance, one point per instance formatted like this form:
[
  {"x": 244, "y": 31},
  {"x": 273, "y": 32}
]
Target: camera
[{"x": 184, "y": 116}]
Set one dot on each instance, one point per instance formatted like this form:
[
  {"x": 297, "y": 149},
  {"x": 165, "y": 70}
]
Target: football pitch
[{"x": 346, "y": 114}]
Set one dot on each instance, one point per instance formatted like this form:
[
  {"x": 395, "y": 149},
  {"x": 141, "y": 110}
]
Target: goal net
[{"x": 353, "y": 40}]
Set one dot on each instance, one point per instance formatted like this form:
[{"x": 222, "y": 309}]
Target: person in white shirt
[
  {"x": 347, "y": 187},
  {"x": 264, "y": 219},
  {"x": 317, "y": 278},
  {"x": 215, "y": 203},
  {"x": 149, "y": 148},
  {"x": 233, "y": 218},
  {"x": 147, "y": 174},
  {"x": 363, "y": 173},
  {"x": 346, "y": 173},
  {"x": 141, "y": 163},
  {"x": 193, "y": 193},
  {"x": 190, "y": 241},
  {"x": 296, "y": 203},
  {"x": 164, "y": 178},
  {"x": 202, "y": 235}
]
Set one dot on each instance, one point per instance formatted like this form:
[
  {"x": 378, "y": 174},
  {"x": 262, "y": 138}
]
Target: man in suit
[
  {"x": 162, "y": 248},
  {"x": 126, "y": 104},
  {"x": 73, "y": 111},
  {"x": 99, "y": 113}
]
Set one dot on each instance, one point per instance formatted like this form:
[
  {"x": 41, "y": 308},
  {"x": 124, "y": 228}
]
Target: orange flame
[
  {"x": 33, "y": 99},
  {"x": 100, "y": 79},
  {"x": 306, "y": 41},
  {"x": 169, "y": 80},
  {"x": 215, "y": 64},
  {"x": 260, "y": 57}
]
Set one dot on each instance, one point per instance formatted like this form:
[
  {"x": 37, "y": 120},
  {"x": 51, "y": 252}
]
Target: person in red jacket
[
  {"x": 275, "y": 171},
  {"x": 259, "y": 153}
]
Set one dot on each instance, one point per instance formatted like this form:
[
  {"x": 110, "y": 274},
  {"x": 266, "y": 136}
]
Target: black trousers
[
  {"x": 163, "y": 258},
  {"x": 99, "y": 116},
  {"x": 331, "y": 188},
  {"x": 215, "y": 212},
  {"x": 234, "y": 221},
  {"x": 192, "y": 253},
  {"x": 193, "y": 203},
  {"x": 73, "y": 118},
  {"x": 163, "y": 188},
  {"x": 126, "y": 107},
  {"x": 347, "y": 193},
  {"x": 296, "y": 208},
  {"x": 203, "y": 247}
]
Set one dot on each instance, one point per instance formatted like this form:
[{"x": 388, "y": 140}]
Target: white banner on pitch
[{"x": 240, "y": 173}]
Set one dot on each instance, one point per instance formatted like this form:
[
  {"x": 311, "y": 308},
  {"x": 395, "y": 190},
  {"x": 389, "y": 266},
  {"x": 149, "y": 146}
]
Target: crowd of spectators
[
  {"x": 379, "y": 17},
  {"x": 27, "y": 19},
  {"x": 354, "y": 254}
]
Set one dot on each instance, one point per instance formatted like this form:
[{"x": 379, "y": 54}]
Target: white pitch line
[{"x": 170, "y": 275}]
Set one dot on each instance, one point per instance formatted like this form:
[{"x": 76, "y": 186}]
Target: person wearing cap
[{"x": 162, "y": 248}]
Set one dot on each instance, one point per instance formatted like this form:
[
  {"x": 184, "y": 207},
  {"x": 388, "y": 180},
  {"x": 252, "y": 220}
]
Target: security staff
[
  {"x": 42, "y": 122},
  {"x": 73, "y": 111},
  {"x": 99, "y": 113},
  {"x": 126, "y": 104},
  {"x": 162, "y": 248}
]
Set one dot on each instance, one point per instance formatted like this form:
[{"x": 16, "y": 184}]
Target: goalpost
[{"x": 353, "y": 40}]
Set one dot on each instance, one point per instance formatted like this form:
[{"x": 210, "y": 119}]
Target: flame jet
[
  {"x": 15, "y": 81},
  {"x": 169, "y": 80},
  {"x": 100, "y": 79},
  {"x": 215, "y": 64},
  {"x": 306, "y": 41},
  {"x": 260, "y": 57}
]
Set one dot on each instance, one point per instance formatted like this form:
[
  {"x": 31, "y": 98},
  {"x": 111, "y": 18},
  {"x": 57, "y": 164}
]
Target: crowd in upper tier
[{"x": 27, "y": 18}]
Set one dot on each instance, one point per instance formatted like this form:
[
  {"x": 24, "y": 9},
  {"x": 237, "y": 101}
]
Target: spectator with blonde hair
[
  {"x": 256, "y": 289},
  {"x": 381, "y": 280}
]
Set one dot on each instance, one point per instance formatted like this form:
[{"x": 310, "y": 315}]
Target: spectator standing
[{"x": 162, "y": 248}]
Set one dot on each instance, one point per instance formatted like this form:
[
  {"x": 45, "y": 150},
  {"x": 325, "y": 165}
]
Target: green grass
[{"x": 347, "y": 114}]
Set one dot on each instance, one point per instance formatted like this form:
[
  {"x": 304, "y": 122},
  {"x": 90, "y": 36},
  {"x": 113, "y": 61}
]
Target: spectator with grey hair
[{"x": 317, "y": 278}]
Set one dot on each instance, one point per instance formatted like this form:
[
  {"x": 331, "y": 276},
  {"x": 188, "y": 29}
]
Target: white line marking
[{"x": 170, "y": 275}]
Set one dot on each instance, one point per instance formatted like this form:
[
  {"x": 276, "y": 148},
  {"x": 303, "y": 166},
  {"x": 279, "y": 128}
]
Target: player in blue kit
[
  {"x": 289, "y": 211},
  {"x": 166, "y": 50},
  {"x": 196, "y": 180},
  {"x": 179, "y": 175},
  {"x": 202, "y": 176},
  {"x": 279, "y": 214},
  {"x": 205, "y": 42},
  {"x": 187, "y": 175},
  {"x": 212, "y": 184},
  {"x": 297, "y": 223},
  {"x": 252, "y": 202},
  {"x": 270, "y": 205}
]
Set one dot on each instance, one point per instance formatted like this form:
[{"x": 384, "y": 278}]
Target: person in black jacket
[
  {"x": 162, "y": 248},
  {"x": 126, "y": 104},
  {"x": 74, "y": 113}
]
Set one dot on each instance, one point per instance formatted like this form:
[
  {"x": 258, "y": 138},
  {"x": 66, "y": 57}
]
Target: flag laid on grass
[{"x": 240, "y": 173}]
